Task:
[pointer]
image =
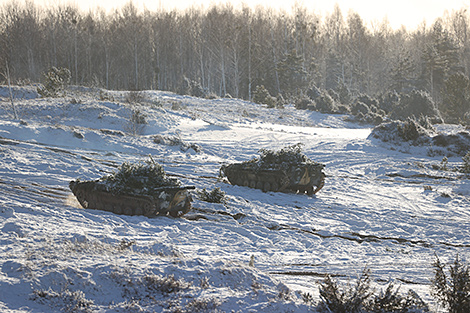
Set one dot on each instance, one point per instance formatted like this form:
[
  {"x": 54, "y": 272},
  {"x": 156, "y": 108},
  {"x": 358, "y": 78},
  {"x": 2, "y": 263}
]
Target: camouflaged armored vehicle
[
  {"x": 136, "y": 189},
  {"x": 287, "y": 170}
]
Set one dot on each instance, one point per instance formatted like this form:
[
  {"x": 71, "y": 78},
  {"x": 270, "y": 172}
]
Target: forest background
[{"x": 327, "y": 63}]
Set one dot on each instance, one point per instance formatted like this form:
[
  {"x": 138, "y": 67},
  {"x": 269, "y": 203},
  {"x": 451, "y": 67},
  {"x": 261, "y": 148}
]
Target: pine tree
[{"x": 456, "y": 96}]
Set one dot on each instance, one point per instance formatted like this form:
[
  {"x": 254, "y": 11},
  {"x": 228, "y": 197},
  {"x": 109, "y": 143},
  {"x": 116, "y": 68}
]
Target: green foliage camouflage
[
  {"x": 142, "y": 178},
  {"x": 282, "y": 159}
]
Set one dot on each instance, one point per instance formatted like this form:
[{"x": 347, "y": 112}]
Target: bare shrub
[
  {"x": 165, "y": 284},
  {"x": 105, "y": 96},
  {"x": 203, "y": 305},
  {"x": 68, "y": 301},
  {"x": 135, "y": 96},
  {"x": 136, "y": 123}
]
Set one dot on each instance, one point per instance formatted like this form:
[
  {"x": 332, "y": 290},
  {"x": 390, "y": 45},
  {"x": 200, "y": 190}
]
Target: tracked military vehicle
[
  {"x": 287, "y": 170},
  {"x": 135, "y": 189}
]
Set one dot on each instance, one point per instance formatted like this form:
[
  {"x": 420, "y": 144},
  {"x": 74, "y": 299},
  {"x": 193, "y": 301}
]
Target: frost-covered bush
[
  {"x": 67, "y": 300},
  {"x": 325, "y": 103},
  {"x": 193, "y": 88},
  {"x": 458, "y": 144},
  {"x": 343, "y": 109},
  {"x": 333, "y": 94},
  {"x": 135, "y": 96},
  {"x": 360, "y": 107},
  {"x": 105, "y": 96},
  {"x": 165, "y": 284},
  {"x": 302, "y": 102},
  {"x": 390, "y": 300},
  {"x": 416, "y": 103},
  {"x": 389, "y": 101},
  {"x": 360, "y": 298},
  {"x": 366, "y": 110},
  {"x": 402, "y": 131},
  {"x": 465, "y": 168},
  {"x": 136, "y": 123},
  {"x": 262, "y": 96},
  {"x": 370, "y": 118},
  {"x": 214, "y": 196},
  {"x": 313, "y": 92},
  {"x": 138, "y": 178},
  {"x": 349, "y": 300},
  {"x": 453, "y": 291},
  {"x": 55, "y": 82}
]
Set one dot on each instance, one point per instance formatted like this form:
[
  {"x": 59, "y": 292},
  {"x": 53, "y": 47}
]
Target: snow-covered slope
[{"x": 383, "y": 208}]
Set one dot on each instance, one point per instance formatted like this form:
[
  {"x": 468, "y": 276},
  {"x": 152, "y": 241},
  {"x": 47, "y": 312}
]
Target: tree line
[{"x": 231, "y": 51}]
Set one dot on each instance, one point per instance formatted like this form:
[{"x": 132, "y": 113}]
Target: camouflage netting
[
  {"x": 138, "y": 178},
  {"x": 282, "y": 159}
]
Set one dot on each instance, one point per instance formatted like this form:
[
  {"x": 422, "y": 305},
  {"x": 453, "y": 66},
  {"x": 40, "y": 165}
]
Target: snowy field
[{"x": 382, "y": 207}]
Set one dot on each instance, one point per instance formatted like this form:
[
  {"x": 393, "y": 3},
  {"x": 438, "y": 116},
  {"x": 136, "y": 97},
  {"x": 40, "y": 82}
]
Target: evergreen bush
[
  {"x": 302, "y": 102},
  {"x": 349, "y": 300},
  {"x": 402, "y": 131},
  {"x": 214, "y": 196},
  {"x": 415, "y": 104},
  {"x": 360, "y": 107},
  {"x": 313, "y": 92},
  {"x": 262, "y": 96},
  {"x": 465, "y": 168},
  {"x": 453, "y": 291},
  {"x": 360, "y": 298},
  {"x": 325, "y": 103},
  {"x": 55, "y": 82},
  {"x": 389, "y": 101}
]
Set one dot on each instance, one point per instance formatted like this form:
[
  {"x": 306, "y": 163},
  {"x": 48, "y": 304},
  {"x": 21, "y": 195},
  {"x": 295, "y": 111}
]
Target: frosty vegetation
[
  {"x": 409, "y": 89},
  {"x": 336, "y": 63}
]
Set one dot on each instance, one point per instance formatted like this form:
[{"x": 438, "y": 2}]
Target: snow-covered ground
[{"x": 382, "y": 207}]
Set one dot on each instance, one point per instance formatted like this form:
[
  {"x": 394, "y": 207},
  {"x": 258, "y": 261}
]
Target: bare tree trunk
[
  {"x": 136, "y": 64},
  {"x": 278, "y": 84},
  {"x": 11, "y": 94},
  {"x": 249, "y": 62},
  {"x": 224, "y": 85},
  {"x": 106, "y": 55},
  {"x": 76, "y": 53}
]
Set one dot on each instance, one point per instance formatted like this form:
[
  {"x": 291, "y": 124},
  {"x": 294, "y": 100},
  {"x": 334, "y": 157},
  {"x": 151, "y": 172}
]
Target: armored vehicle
[
  {"x": 287, "y": 170},
  {"x": 136, "y": 189}
]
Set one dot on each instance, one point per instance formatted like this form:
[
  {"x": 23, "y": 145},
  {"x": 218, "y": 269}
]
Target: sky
[{"x": 409, "y": 13}]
